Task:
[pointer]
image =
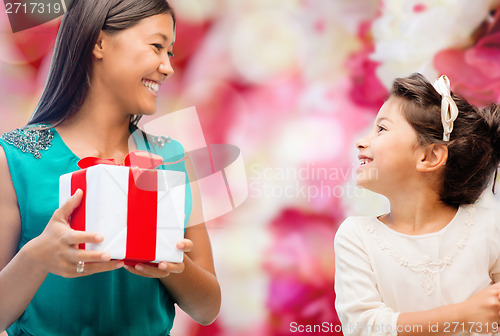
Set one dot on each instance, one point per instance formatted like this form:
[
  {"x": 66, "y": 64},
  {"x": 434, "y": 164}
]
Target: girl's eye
[
  {"x": 381, "y": 128},
  {"x": 170, "y": 54}
]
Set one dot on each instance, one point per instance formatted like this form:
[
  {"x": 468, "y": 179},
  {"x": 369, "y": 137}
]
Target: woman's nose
[{"x": 166, "y": 67}]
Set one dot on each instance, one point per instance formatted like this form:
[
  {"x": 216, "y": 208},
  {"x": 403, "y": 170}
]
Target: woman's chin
[{"x": 147, "y": 112}]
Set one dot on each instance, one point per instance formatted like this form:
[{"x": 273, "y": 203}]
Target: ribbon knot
[
  {"x": 449, "y": 109},
  {"x": 140, "y": 159}
]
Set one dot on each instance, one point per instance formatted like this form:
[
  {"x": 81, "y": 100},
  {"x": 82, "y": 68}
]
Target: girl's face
[
  {"x": 389, "y": 153},
  {"x": 133, "y": 63}
]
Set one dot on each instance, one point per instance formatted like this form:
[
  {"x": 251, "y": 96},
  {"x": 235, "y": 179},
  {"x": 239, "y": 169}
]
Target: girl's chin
[
  {"x": 362, "y": 179},
  {"x": 361, "y": 184},
  {"x": 365, "y": 184}
]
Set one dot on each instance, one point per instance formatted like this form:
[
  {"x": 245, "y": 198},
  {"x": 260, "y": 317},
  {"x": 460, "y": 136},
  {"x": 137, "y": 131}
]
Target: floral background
[{"x": 293, "y": 84}]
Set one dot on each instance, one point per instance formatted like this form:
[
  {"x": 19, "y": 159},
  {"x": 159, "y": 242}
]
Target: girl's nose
[{"x": 361, "y": 143}]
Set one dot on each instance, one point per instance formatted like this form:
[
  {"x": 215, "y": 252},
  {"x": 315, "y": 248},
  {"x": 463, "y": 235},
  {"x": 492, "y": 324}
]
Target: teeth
[
  {"x": 364, "y": 161},
  {"x": 153, "y": 86}
]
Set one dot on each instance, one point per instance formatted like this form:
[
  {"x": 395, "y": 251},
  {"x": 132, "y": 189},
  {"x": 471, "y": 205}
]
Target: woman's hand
[
  {"x": 164, "y": 268},
  {"x": 56, "y": 249}
]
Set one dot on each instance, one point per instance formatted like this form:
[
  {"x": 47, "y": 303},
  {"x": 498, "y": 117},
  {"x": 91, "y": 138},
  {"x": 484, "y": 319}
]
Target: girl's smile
[{"x": 364, "y": 160}]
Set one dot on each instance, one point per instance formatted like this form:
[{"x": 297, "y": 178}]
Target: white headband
[{"x": 449, "y": 109}]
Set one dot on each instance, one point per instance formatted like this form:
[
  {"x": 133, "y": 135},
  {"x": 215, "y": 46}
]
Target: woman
[{"x": 109, "y": 60}]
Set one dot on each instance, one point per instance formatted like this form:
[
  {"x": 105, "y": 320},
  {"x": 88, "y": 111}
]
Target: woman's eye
[
  {"x": 170, "y": 54},
  {"x": 158, "y": 46}
]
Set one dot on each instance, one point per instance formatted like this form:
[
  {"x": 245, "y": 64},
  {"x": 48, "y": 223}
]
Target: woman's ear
[
  {"x": 432, "y": 158},
  {"x": 98, "y": 51}
]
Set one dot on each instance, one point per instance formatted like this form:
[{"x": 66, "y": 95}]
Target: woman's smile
[{"x": 152, "y": 86}]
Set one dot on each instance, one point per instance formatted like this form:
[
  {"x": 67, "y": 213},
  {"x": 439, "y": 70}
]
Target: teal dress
[{"x": 110, "y": 303}]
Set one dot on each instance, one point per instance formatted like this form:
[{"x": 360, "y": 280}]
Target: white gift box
[{"x": 106, "y": 210}]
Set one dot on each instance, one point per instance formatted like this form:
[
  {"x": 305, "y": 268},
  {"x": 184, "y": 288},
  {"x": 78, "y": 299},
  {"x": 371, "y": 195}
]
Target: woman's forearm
[
  {"x": 196, "y": 291},
  {"x": 20, "y": 279}
]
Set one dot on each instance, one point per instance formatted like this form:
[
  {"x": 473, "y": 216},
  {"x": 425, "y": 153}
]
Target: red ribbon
[
  {"x": 141, "y": 206},
  {"x": 142, "y": 159}
]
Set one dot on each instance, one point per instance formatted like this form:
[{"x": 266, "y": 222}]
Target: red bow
[{"x": 141, "y": 159}]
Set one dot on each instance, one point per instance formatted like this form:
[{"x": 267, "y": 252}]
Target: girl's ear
[
  {"x": 98, "y": 51},
  {"x": 432, "y": 158}
]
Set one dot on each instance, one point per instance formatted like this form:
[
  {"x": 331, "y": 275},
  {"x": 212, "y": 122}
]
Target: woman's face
[
  {"x": 388, "y": 154},
  {"x": 132, "y": 64}
]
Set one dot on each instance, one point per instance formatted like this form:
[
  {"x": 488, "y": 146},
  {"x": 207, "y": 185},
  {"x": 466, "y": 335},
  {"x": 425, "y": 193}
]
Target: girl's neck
[{"x": 419, "y": 213}]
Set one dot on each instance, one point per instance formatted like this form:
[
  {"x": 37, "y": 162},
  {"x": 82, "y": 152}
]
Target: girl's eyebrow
[{"x": 383, "y": 118}]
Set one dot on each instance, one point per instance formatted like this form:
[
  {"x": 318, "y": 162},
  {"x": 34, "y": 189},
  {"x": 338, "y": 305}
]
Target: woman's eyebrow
[{"x": 164, "y": 37}]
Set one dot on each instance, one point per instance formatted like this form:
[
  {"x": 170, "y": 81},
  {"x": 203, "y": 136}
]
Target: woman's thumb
[{"x": 71, "y": 204}]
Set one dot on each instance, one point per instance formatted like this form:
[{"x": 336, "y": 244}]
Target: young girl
[
  {"x": 110, "y": 58},
  {"x": 427, "y": 267}
]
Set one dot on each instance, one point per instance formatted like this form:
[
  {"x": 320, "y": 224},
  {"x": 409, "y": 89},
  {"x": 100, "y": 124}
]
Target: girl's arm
[
  {"x": 358, "y": 302},
  {"x": 480, "y": 313},
  {"x": 362, "y": 312},
  {"x": 22, "y": 273}
]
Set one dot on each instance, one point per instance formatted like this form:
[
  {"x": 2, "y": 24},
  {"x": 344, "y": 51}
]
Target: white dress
[{"x": 380, "y": 273}]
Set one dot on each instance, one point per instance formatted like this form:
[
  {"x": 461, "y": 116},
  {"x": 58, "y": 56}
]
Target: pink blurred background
[{"x": 293, "y": 84}]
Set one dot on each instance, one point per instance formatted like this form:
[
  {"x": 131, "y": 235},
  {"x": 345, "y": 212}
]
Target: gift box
[{"x": 138, "y": 210}]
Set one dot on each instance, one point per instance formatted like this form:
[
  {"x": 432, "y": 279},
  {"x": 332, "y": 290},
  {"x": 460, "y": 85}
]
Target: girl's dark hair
[
  {"x": 474, "y": 146},
  {"x": 69, "y": 76}
]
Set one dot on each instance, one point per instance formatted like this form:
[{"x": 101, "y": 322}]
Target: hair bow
[{"x": 449, "y": 109}]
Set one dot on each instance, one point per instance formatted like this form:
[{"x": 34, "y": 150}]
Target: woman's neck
[
  {"x": 418, "y": 213},
  {"x": 97, "y": 130}
]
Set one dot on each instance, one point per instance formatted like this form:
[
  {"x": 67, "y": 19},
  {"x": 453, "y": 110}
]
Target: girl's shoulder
[
  {"x": 355, "y": 227},
  {"x": 487, "y": 213}
]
